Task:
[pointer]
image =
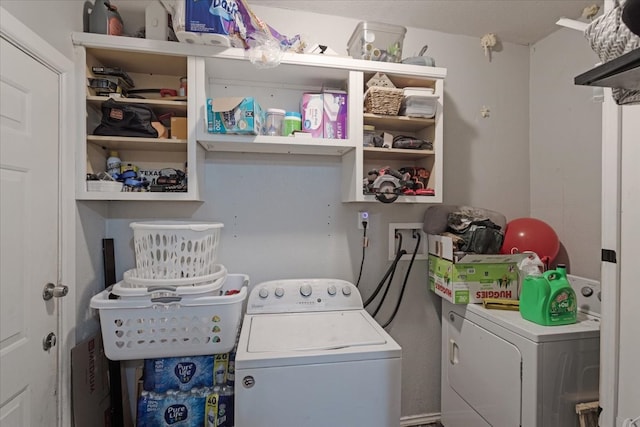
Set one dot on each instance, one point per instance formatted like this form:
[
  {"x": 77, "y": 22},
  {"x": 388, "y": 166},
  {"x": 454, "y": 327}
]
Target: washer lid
[{"x": 312, "y": 332}]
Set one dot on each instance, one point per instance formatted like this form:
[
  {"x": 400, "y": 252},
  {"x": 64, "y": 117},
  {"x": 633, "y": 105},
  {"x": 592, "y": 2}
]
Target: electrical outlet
[
  {"x": 363, "y": 216},
  {"x": 409, "y": 232}
]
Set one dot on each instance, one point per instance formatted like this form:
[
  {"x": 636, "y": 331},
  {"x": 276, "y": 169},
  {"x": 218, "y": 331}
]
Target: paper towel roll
[
  {"x": 203, "y": 38},
  {"x": 215, "y": 39}
]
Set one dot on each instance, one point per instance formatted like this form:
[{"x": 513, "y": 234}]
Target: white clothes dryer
[
  {"x": 499, "y": 370},
  {"x": 309, "y": 355}
]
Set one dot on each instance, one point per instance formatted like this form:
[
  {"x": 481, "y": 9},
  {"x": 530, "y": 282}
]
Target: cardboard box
[
  {"x": 312, "y": 108},
  {"x": 178, "y": 127},
  {"x": 469, "y": 278},
  {"x": 335, "y": 114},
  {"x": 241, "y": 116},
  {"x": 90, "y": 384}
]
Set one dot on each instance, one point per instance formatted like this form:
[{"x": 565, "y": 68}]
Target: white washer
[
  {"x": 309, "y": 355},
  {"x": 499, "y": 370}
]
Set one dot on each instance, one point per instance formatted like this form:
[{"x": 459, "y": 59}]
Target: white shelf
[
  {"x": 276, "y": 144},
  {"x": 317, "y": 62},
  {"x": 227, "y": 72},
  {"x": 132, "y": 196}
]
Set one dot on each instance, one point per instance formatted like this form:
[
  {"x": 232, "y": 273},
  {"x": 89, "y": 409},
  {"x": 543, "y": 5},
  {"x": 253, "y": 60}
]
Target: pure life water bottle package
[{"x": 230, "y": 23}]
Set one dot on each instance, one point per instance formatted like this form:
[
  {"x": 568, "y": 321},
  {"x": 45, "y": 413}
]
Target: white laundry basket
[
  {"x": 171, "y": 326},
  {"x": 148, "y": 288},
  {"x": 143, "y": 278},
  {"x": 176, "y": 249}
]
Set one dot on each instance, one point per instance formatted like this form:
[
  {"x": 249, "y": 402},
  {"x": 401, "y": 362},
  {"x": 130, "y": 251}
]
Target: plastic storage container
[
  {"x": 275, "y": 117},
  {"x": 292, "y": 122},
  {"x": 376, "y": 41},
  {"x": 172, "y": 326},
  {"x": 423, "y": 106}
]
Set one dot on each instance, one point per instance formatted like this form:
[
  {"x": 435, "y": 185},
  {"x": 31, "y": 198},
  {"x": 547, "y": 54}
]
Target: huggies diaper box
[
  {"x": 469, "y": 278},
  {"x": 238, "y": 115}
]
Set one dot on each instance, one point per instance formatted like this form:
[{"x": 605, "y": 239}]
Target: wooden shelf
[
  {"x": 160, "y": 106},
  {"x": 141, "y": 144},
  {"x": 397, "y": 123},
  {"x": 171, "y": 102},
  {"x": 402, "y": 199},
  {"x": 375, "y": 153}
]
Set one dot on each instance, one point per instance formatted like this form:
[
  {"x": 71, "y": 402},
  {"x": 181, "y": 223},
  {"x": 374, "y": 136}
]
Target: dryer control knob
[
  {"x": 279, "y": 292},
  {"x": 331, "y": 290},
  {"x": 305, "y": 290},
  {"x": 263, "y": 293},
  {"x": 346, "y": 291}
]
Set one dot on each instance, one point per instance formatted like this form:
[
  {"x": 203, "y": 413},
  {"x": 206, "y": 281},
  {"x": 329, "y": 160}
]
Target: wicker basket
[{"x": 383, "y": 100}]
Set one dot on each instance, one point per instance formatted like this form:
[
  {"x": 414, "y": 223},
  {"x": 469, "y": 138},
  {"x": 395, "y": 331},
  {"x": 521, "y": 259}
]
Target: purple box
[
  {"x": 335, "y": 114},
  {"x": 312, "y": 109}
]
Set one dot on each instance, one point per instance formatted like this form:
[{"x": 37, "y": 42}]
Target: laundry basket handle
[{"x": 165, "y": 300}]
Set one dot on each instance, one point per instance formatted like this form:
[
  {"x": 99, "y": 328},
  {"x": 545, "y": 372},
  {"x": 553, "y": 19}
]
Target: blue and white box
[
  {"x": 173, "y": 409},
  {"x": 178, "y": 373},
  {"x": 236, "y": 115}
]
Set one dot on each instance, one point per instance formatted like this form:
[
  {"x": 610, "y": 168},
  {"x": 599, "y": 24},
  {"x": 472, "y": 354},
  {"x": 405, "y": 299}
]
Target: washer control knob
[
  {"x": 279, "y": 292},
  {"x": 305, "y": 290},
  {"x": 263, "y": 293},
  {"x": 346, "y": 291},
  {"x": 586, "y": 291},
  {"x": 331, "y": 290}
]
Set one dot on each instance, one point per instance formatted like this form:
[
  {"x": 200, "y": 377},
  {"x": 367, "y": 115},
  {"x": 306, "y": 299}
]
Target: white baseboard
[{"x": 418, "y": 420}]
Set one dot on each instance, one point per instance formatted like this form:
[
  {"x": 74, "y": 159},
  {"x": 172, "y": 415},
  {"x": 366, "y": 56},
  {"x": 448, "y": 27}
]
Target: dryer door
[{"x": 484, "y": 370}]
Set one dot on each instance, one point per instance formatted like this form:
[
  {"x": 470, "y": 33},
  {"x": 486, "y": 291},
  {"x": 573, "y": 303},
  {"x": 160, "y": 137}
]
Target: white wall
[
  {"x": 283, "y": 215},
  {"x": 565, "y": 149}
]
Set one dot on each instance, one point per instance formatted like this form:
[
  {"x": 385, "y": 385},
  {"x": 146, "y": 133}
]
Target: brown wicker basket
[{"x": 383, "y": 100}]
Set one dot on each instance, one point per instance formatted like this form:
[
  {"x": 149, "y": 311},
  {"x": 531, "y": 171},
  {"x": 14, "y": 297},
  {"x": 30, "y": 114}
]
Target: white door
[
  {"x": 29, "y": 235},
  {"x": 629, "y": 315}
]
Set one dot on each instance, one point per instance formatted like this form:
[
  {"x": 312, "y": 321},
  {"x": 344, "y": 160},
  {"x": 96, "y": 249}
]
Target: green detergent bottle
[{"x": 548, "y": 299}]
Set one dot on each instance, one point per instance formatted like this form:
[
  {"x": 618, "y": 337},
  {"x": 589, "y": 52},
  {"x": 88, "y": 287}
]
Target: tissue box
[
  {"x": 469, "y": 278},
  {"x": 312, "y": 108},
  {"x": 242, "y": 116},
  {"x": 335, "y": 114}
]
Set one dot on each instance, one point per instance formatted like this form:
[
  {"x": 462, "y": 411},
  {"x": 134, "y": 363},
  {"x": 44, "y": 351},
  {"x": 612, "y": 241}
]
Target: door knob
[
  {"x": 51, "y": 290},
  {"x": 49, "y": 341}
]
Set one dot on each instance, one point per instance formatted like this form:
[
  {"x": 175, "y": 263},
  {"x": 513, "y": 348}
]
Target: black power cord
[
  {"x": 390, "y": 270},
  {"x": 365, "y": 243},
  {"x": 406, "y": 278},
  {"x": 393, "y": 272}
]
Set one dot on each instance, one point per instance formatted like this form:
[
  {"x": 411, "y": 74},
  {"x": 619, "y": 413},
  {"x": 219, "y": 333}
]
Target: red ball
[{"x": 530, "y": 234}]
